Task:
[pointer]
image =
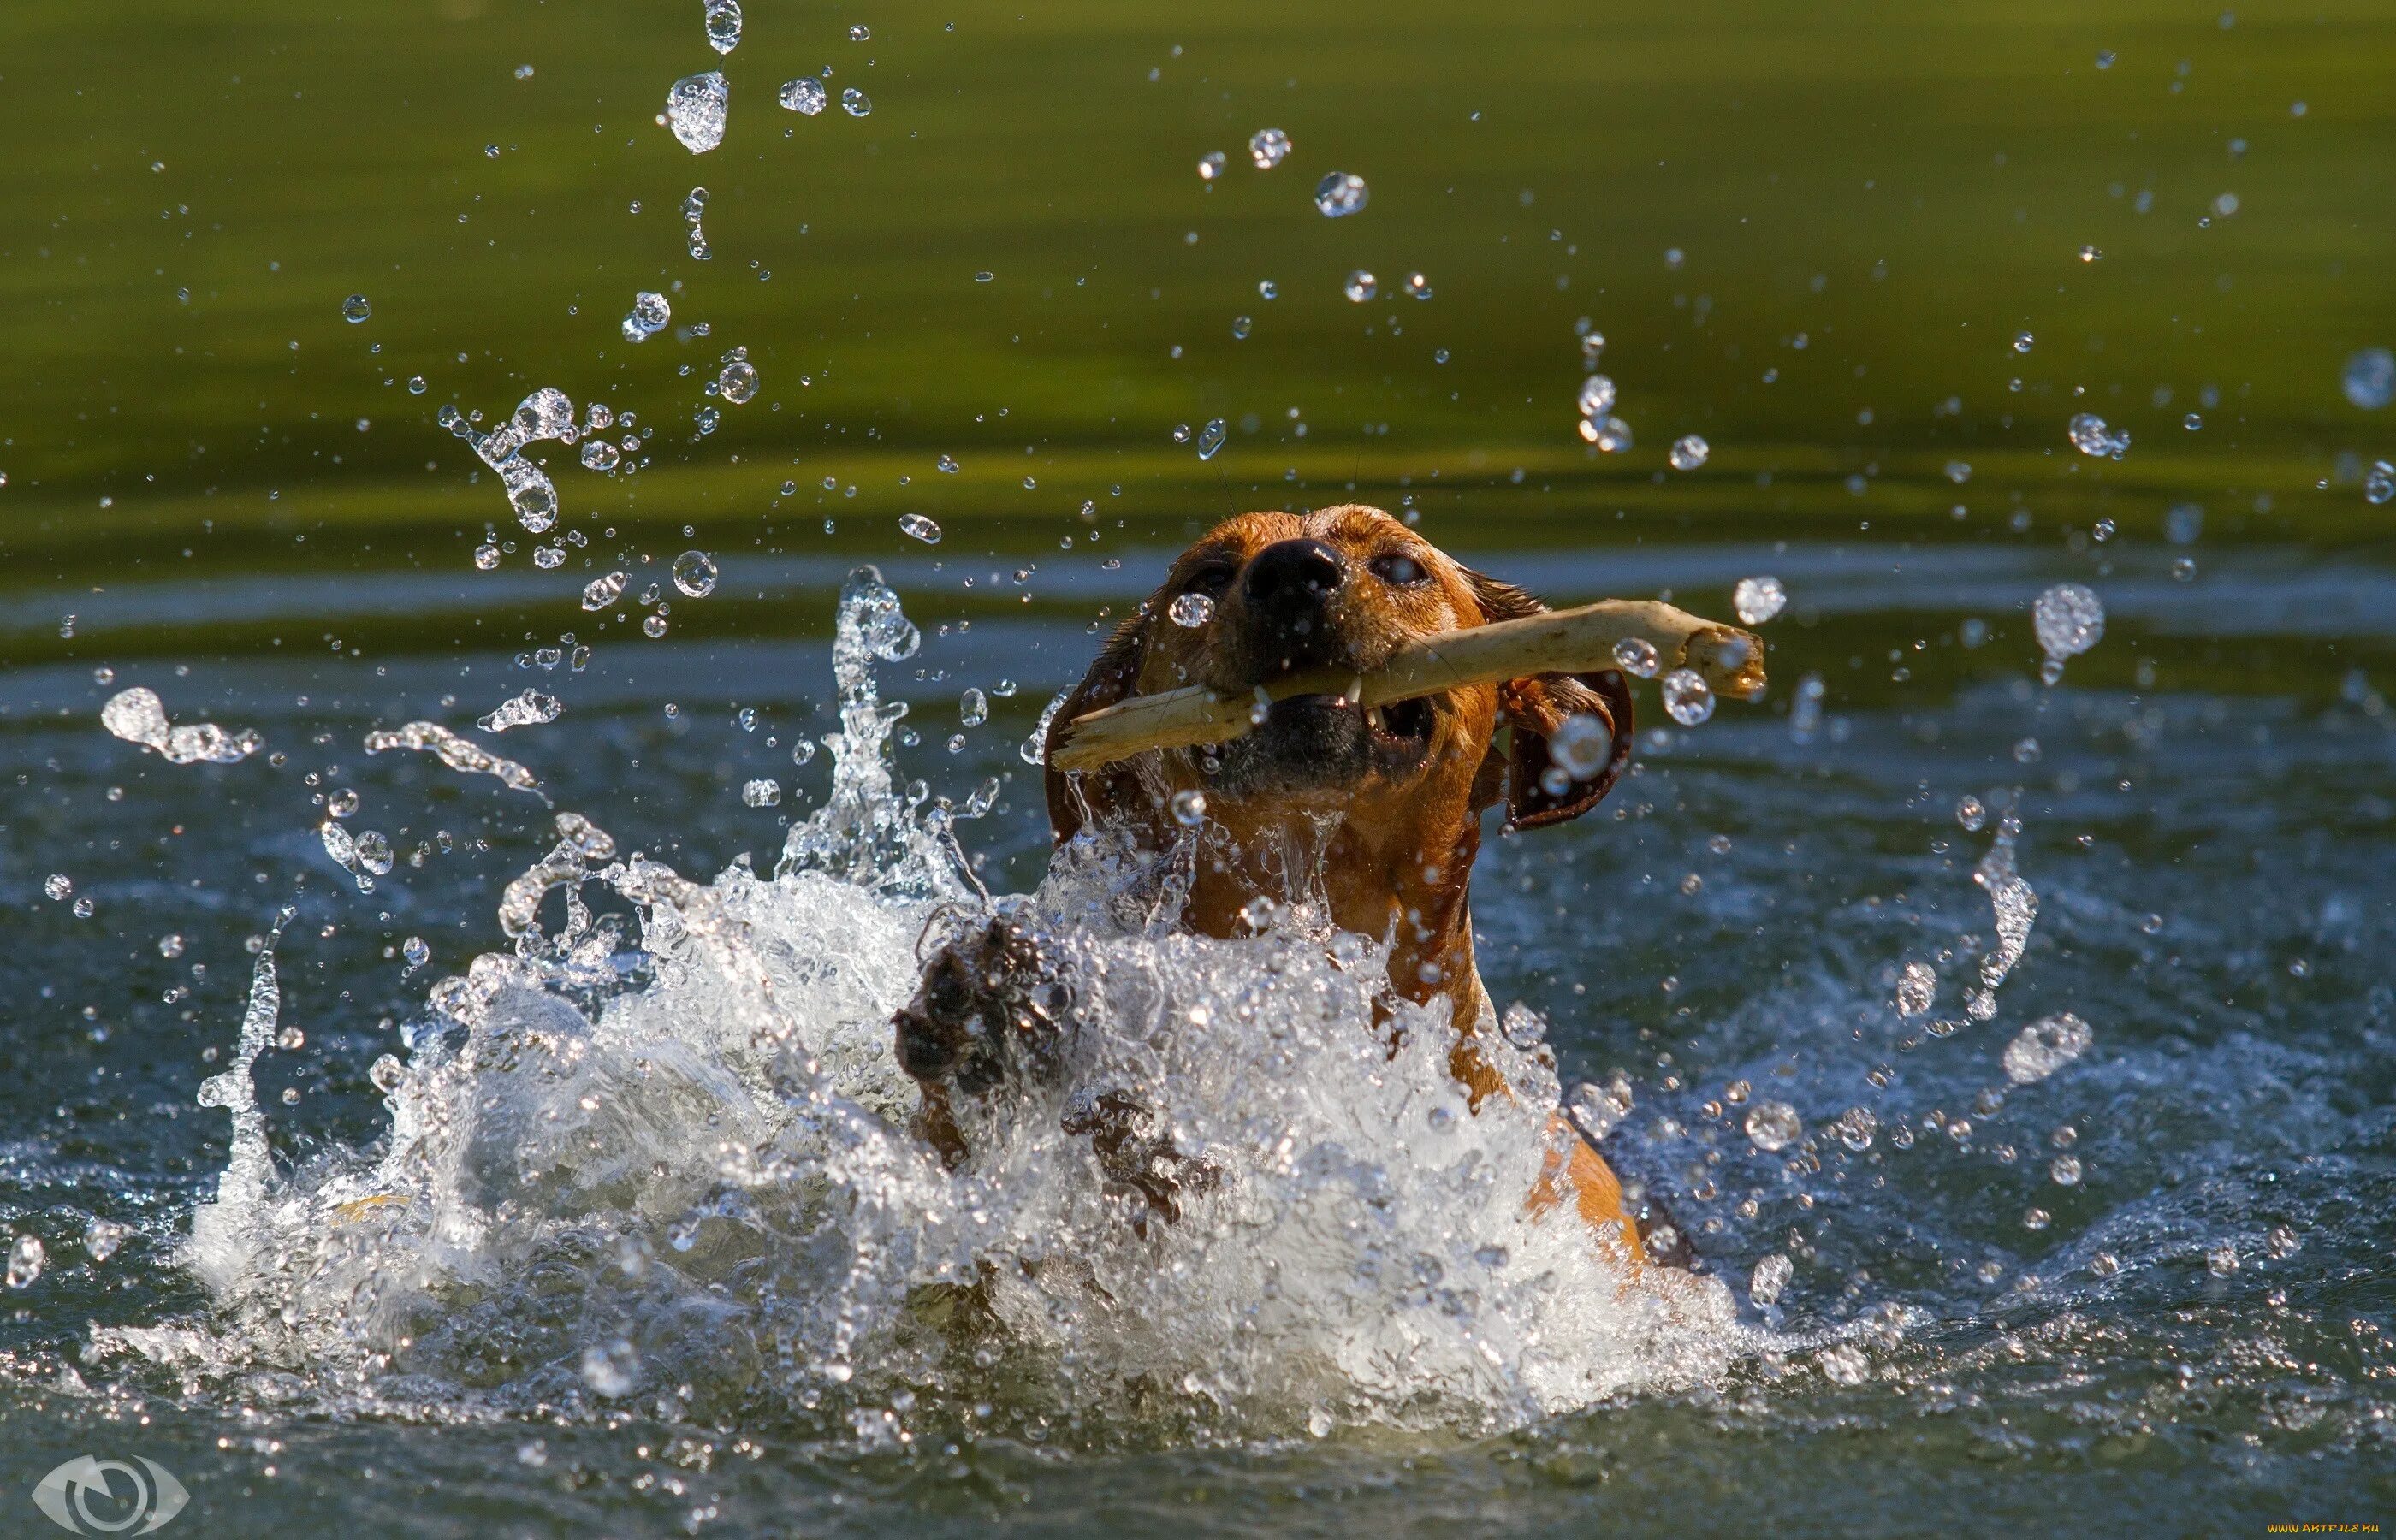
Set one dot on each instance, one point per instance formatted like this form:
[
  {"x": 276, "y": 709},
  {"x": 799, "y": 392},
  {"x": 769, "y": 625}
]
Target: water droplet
[
  {"x": 2065, "y": 1170},
  {"x": 2090, "y": 436},
  {"x": 2044, "y": 1047},
  {"x": 417, "y": 952},
  {"x": 1190, "y": 807},
  {"x": 600, "y": 592},
  {"x": 737, "y": 383},
  {"x": 764, "y": 792},
  {"x": 1637, "y": 656},
  {"x": 805, "y": 96},
  {"x": 373, "y": 852},
  {"x": 1773, "y": 1125},
  {"x": 355, "y": 309},
  {"x": 2104, "y": 58},
  {"x": 1210, "y": 438},
  {"x": 1268, "y": 289},
  {"x": 973, "y": 708},
  {"x": 58, "y": 886},
  {"x": 1971, "y": 813},
  {"x": 1242, "y": 325},
  {"x": 25, "y": 1259},
  {"x": 1581, "y": 745},
  {"x": 1597, "y": 396},
  {"x": 655, "y": 626},
  {"x": 2220, "y": 1261},
  {"x": 695, "y": 109},
  {"x": 2090, "y": 254},
  {"x": 1596, "y": 1108},
  {"x": 2281, "y": 1243},
  {"x": 1687, "y": 697},
  {"x": 600, "y": 454},
  {"x": 2369, "y": 380},
  {"x": 1917, "y": 986},
  {"x": 1191, "y": 610},
  {"x": 2379, "y": 486},
  {"x": 1771, "y": 1276},
  {"x": 612, "y": 1369},
  {"x": 650, "y": 315},
  {"x": 1360, "y": 286},
  {"x": 1341, "y": 193},
  {"x": 1854, "y": 1128},
  {"x": 1689, "y": 451},
  {"x": 694, "y": 574},
  {"x": 1418, "y": 286},
  {"x": 920, "y": 527},
  {"x": 2023, "y": 343},
  {"x": 946, "y": 464},
  {"x": 1210, "y": 165},
  {"x": 855, "y": 102},
  {"x": 1268, "y": 148},
  {"x": 859, "y": 33},
  {"x": 705, "y": 419},
  {"x": 2069, "y": 619},
  {"x": 1845, "y": 1365},
  {"x": 723, "y": 25},
  {"x": 103, "y": 1236},
  {"x": 1756, "y": 600}
]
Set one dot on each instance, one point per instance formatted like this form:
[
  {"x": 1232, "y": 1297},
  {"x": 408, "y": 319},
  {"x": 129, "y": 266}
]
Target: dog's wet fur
[{"x": 1376, "y": 813}]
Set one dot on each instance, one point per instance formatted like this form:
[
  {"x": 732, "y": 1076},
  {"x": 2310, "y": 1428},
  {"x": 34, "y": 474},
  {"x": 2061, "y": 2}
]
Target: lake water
[{"x": 623, "y": 1240}]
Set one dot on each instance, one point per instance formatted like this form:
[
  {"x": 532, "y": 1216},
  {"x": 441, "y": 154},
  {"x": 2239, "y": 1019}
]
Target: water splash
[
  {"x": 673, "y": 1145},
  {"x": 139, "y": 716},
  {"x": 453, "y": 751}
]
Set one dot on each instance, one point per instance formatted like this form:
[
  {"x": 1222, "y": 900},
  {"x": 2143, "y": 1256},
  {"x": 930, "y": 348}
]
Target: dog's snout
[{"x": 1292, "y": 575}]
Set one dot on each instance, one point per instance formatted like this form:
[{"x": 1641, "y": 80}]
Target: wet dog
[{"x": 1374, "y": 814}]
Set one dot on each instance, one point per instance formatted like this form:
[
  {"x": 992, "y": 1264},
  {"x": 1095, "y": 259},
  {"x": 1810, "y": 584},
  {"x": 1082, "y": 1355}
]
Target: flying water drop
[
  {"x": 695, "y": 109},
  {"x": 694, "y": 574},
  {"x": 1341, "y": 193},
  {"x": 1757, "y": 599},
  {"x": 1191, "y": 610},
  {"x": 1687, "y": 697}
]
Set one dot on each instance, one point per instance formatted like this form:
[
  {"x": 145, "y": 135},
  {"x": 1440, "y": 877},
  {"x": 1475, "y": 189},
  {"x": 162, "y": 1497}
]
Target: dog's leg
[
  {"x": 987, "y": 1015},
  {"x": 1137, "y": 1156},
  {"x": 987, "y": 1025}
]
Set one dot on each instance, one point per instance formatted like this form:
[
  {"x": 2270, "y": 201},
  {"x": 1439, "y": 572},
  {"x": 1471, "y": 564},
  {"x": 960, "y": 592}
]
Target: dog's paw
[
  {"x": 987, "y": 1012},
  {"x": 1138, "y": 1156}
]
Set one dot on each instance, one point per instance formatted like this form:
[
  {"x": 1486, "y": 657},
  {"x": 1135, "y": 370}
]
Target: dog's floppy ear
[
  {"x": 1113, "y": 678},
  {"x": 1535, "y": 708}
]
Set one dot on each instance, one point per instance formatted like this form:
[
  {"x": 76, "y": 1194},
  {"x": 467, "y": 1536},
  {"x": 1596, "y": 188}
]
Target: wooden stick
[{"x": 1573, "y": 641}]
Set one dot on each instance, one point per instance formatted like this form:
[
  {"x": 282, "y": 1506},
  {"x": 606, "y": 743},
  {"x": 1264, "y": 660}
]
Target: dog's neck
[{"x": 1365, "y": 875}]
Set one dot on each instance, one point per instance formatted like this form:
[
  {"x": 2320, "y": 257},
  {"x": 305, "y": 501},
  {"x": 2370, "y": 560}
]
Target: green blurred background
[{"x": 1868, "y": 201}]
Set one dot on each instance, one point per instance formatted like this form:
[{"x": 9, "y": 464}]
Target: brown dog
[{"x": 1374, "y": 814}]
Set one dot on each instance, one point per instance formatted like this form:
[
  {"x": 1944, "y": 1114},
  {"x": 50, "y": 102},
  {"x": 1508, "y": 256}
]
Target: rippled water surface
[{"x": 597, "y": 1213}]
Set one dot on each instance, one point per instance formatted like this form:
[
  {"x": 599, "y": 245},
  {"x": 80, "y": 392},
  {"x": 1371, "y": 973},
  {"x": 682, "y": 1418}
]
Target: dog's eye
[
  {"x": 1211, "y": 579},
  {"x": 1401, "y": 570}
]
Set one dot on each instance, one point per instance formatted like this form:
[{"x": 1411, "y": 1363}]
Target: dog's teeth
[{"x": 1373, "y": 715}]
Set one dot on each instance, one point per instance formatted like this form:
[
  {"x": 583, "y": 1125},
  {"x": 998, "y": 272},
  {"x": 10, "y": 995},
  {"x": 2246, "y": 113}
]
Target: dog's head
[{"x": 1264, "y": 595}]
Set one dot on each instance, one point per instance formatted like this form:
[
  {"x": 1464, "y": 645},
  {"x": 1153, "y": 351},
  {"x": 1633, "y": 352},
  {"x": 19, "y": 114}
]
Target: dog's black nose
[{"x": 1291, "y": 576}]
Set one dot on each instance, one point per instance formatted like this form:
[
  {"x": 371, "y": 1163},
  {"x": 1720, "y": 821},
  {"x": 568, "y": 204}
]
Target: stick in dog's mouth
[{"x": 1573, "y": 641}]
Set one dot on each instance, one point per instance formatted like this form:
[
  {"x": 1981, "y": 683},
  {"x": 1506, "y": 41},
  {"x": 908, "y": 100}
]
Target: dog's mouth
[{"x": 1321, "y": 740}]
